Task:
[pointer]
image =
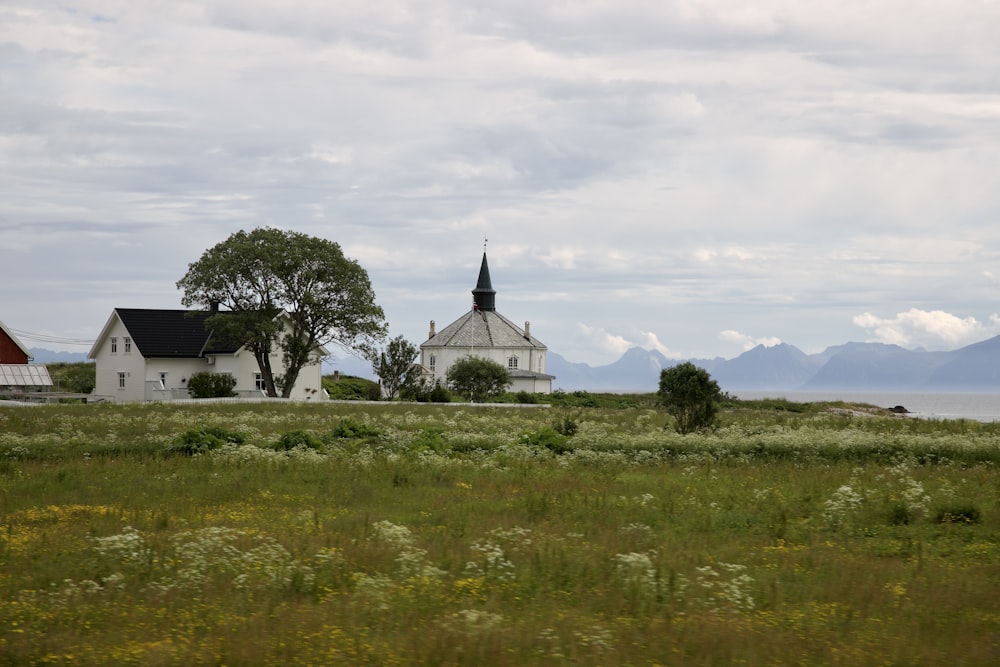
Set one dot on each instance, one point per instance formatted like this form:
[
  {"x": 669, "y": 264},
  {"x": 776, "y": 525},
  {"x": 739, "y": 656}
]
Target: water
[{"x": 980, "y": 407}]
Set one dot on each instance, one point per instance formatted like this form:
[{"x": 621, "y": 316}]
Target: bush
[
  {"x": 440, "y": 395},
  {"x": 211, "y": 385},
  {"x": 206, "y": 438},
  {"x": 567, "y": 427},
  {"x": 526, "y": 397},
  {"x": 297, "y": 438},
  {"x": 347, "y": 428},
  {"x": 548, "y": 438},
  {"x": 959, "y": 514}
]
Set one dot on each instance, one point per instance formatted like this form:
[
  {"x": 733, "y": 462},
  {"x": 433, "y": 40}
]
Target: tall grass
[{"x": 442, "y": 535}]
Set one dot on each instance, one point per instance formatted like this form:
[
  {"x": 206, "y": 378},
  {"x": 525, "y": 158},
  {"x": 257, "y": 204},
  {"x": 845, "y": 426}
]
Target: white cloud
[
  {"x": 617, "y": 344},
  {"x": 747, "y": 342},
  {"x": 934, "y": 329},
  {"x": 676, "y": 167}
]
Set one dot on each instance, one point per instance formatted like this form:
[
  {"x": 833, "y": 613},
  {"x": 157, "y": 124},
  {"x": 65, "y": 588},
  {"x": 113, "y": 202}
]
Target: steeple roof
[{"x": 484, "y": 296}]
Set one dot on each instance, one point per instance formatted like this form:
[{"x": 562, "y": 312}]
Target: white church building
[{"x": 485, "y": 333}]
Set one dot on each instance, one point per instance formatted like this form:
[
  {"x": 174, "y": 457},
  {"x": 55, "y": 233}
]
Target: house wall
[
  {"x": 110, "y": 364},
  {"x": 178, "y": 372},
  {"x": 528, "y": 359}
]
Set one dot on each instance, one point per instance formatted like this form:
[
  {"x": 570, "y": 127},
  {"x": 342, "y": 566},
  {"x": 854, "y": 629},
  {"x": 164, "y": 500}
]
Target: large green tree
[
  {"x": 479, "y": 379},
  {"x": 395, "y": 368},
  {"x": 690, "y": 395},
  {"x": 260, "y": 274}
]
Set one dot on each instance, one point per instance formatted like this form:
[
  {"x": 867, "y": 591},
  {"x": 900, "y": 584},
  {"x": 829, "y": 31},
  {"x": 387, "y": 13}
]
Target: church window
[
  {"x": 512, "y": 363},
  {"x": 431, "y": 362}
]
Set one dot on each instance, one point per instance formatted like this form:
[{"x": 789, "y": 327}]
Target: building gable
[{"x": 12, "y": 350}]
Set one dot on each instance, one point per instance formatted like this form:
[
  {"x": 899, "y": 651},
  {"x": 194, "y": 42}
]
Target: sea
[{"x": 980, "y": 407}]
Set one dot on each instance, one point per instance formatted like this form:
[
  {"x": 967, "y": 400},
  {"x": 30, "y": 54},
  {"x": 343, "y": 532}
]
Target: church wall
[{"x": 530, "y": 359}]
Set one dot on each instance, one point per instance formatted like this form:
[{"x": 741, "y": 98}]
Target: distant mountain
[
  {"x": 875, "y": 367},
  {"x": 762, "y": 368},
  {"x": 40, "y": 355},
  {"x": 975, "y": 367},
  {"x": 848, "y": 367}
]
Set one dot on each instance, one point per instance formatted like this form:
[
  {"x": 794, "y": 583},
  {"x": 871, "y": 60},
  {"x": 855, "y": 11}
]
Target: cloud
[
  {"x": 747, "y": 342},
  {"x": 927, "y": 328},
  {"x": 617, "y": 344}
]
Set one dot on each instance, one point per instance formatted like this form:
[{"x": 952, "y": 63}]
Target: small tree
[
  {"x": 690, "y": 395},
  {"x": 478, "y": 378},
  {"x": 211, "y": 385},
  {"x": 395, "y": 368}
]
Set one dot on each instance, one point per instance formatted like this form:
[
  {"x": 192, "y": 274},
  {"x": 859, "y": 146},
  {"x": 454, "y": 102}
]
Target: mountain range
[{"x": 857, "y": 367}]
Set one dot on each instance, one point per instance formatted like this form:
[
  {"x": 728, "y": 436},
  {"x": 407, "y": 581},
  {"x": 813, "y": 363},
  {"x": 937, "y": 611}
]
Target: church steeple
[{"x": 484, "y": 296}]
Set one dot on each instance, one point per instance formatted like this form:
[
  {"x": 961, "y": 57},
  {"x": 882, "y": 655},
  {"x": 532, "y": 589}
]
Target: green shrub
[
  {"x": 211, "y": 385},
  {"x": 548, "y": 438},
  {"x": 440, "y": 395},
  {"x": 430, "y": 437},
  {"x": 567, "y": 427},
  {"x": 964, "y": 513},
  {"x": 201, "y": 440},
  {"x": 297, "y": 438},
  {"x": 348, "y": 428},
  {"x": 526, "y": 397}
]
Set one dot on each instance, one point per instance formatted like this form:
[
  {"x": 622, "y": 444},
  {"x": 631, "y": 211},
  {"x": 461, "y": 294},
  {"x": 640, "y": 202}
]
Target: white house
[
  {"x": 148, "y": 355},
  {"x": 483, "y": 332}
]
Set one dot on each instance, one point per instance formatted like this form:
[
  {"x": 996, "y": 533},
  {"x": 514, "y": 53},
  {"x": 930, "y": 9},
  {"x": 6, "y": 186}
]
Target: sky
[{"x": 692, "y": 177}]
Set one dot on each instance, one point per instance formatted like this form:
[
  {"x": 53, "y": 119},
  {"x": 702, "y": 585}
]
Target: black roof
[
  {"x": 484, "y": 296},
  {"x": 173, "y": 333}
]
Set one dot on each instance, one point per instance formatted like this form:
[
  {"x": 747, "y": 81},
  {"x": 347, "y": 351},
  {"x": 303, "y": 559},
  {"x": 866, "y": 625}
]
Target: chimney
[
  {"x": 432, "y": 332},
  {"x": 213, "y": 308},
  {"x": 527, "y": 329}
]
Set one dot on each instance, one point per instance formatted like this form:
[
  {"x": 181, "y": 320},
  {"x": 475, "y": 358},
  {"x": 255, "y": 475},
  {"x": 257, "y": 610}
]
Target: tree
[
  {"x": 690, "y": 395},
  {"x": 478, "y": 378},
  {"x": 395, "y": 368},
  {"x": 261, "y": 274}
]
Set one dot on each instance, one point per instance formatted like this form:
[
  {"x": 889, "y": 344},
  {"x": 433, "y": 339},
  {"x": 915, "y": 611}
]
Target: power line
[{"x": 45, "y": 338}]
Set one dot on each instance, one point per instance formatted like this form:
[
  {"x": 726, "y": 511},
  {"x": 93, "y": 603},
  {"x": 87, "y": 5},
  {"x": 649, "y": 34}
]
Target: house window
[
  {"x": 512, "y": 363},
  {"x": 432, "y": 362},
  {"x": 258, "y": 382},
  {"x": 114, "y": 345},
  {"x": 121, "y": 379},
  {"x": 128, "y": 344},
  {"x": 163, "y": 379}
]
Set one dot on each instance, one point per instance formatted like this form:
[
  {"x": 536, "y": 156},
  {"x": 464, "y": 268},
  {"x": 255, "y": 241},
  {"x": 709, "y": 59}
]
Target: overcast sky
[{"x": 694, "y": 177}]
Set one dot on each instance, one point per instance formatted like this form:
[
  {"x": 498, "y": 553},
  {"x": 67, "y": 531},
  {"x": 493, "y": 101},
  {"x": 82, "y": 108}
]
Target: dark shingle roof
[
  {"x": 172, "y": 333},
  {"x": 483, "y": 328}
]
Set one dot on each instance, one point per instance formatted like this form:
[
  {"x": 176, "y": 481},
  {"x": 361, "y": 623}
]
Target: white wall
[
  {"x": 109, "y": 365},
  {"x": 528, "y": 359}
]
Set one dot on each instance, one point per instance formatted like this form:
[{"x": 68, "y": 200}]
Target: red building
[{"x": 12, "y": 350}]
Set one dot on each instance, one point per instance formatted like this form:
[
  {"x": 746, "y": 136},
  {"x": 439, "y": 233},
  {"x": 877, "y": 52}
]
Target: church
[{"x": 483, "y": 332}]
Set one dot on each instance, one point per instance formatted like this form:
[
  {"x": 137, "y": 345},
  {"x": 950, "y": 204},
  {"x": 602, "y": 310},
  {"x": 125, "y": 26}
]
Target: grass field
[{"x": 292, "y": 534}]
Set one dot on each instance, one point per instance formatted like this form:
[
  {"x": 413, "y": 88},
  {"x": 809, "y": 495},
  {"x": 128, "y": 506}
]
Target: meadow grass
[{"x": 457, "y": 535}]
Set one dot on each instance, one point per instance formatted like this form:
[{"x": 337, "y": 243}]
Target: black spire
[{"x": 484, "y": 296}]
